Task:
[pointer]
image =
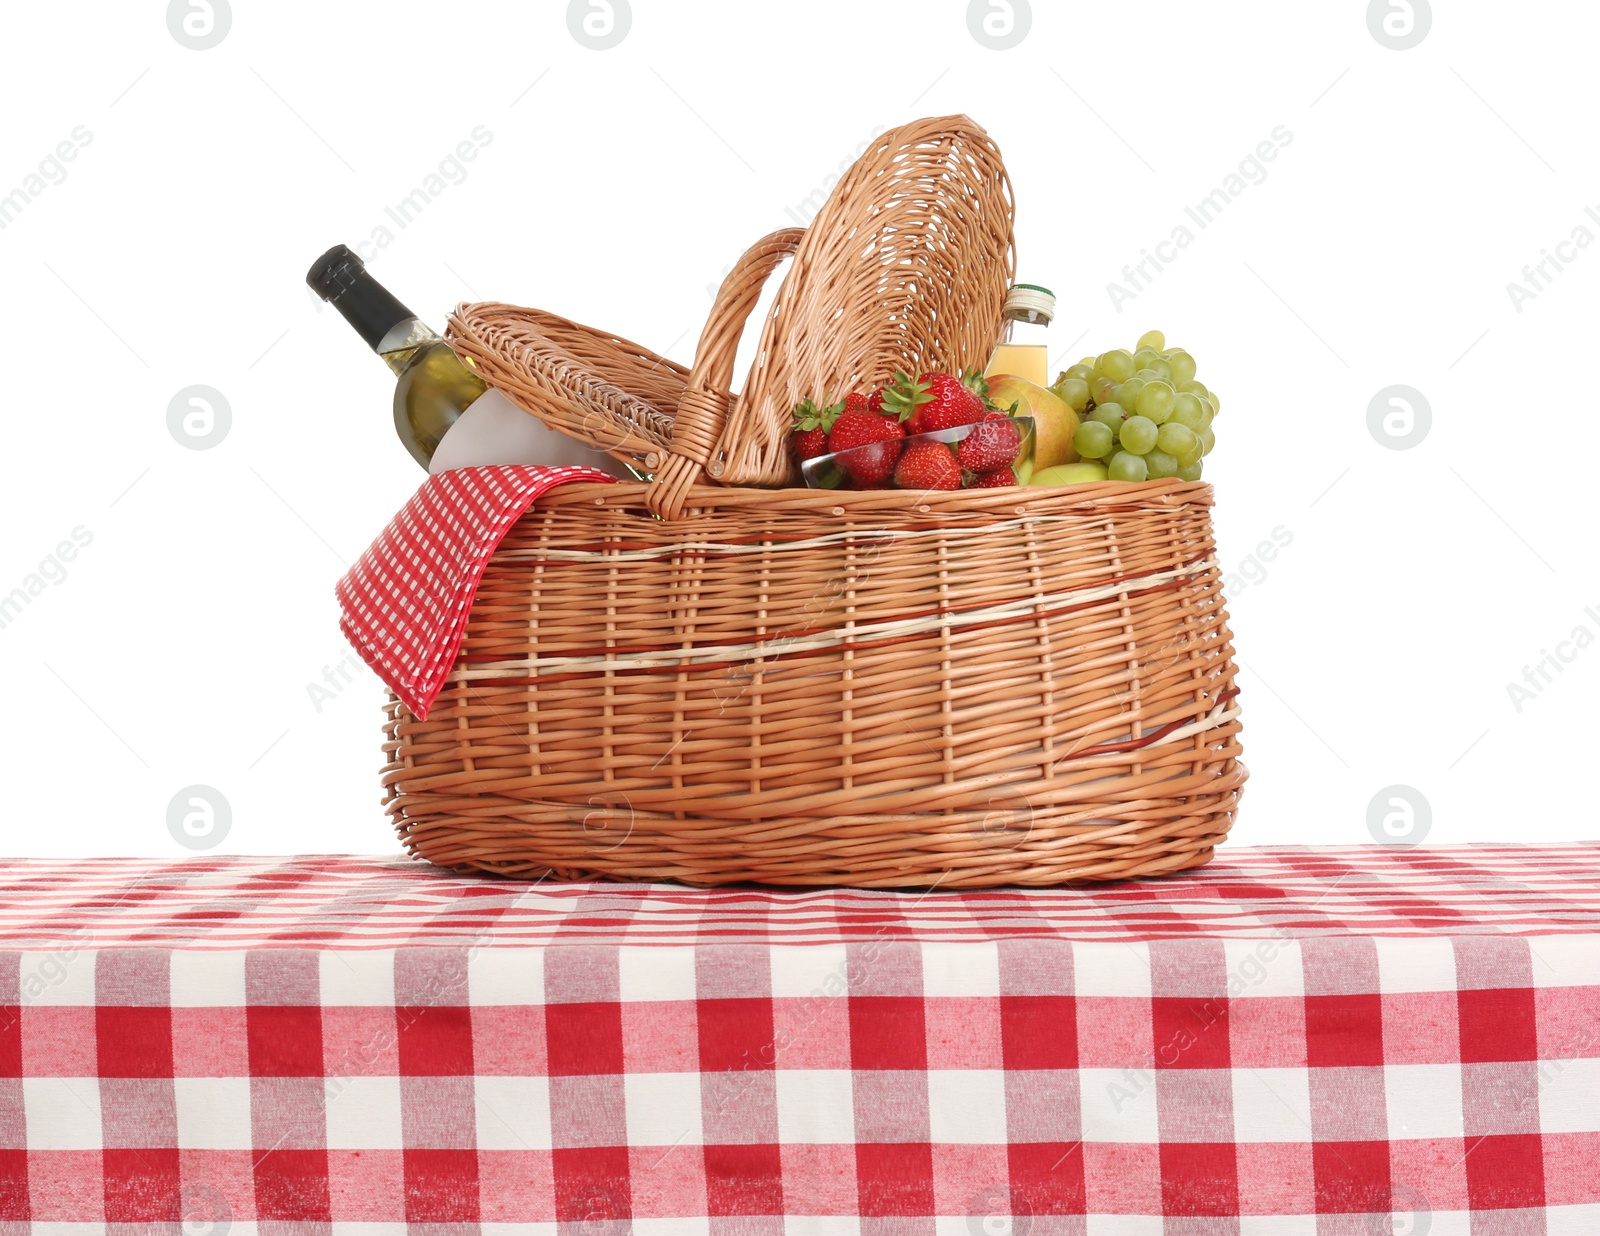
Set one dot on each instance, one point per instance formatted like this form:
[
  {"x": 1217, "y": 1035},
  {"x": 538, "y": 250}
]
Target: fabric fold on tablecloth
[{"x": 404, "y": 604}]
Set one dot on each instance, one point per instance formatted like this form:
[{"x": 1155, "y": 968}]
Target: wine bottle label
[{"x": 493, "y": 430}]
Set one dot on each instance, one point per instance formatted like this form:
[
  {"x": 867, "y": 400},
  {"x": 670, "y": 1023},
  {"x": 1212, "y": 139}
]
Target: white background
[{"x": 618, "y": 184}]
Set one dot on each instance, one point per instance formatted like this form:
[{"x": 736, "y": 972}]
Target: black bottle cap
[
  {"x": 340, "y": 277},
  {"x": 330, "y": 274}
]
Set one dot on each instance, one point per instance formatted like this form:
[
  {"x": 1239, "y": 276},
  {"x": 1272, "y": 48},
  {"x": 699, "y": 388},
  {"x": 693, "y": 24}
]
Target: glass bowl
[{"x": 874, "y": 466}]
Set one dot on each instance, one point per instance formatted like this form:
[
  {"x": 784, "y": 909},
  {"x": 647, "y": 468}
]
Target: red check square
[
  {"x": 887, "y": 1032},
  {"x": 1048, "y": 1176},
  {"x": 591, "y": 1184},
  {"x": 1344, "y": 1031},
  {"x": 285, "y": 1040},
  {"x": 435, "y": 1041},
  {"x": 1498, "y": 1025},
  {"x": 293, "y": 1184},
  {"x": 1199, "y": 1178},
  {"x": 744, "y": 1180},
  {"x": 10, "y": 1040},
  {"x": 585, "y": 1040},
  {"x": 1506, "y": 1173},
  {"x": 441, "y": 1186},
  {"x": 1039, "y": 1032},
  {"x": 1190, "y": 1033},
  {"x": 142, "y": 1186},
  {"x": 894, "y": 1179},
  {"x": 1351, "y": 1177},
  {"x": 136, "y": 1042},
  {"x": 14, "y": 1186},
  {"x": 735, "y": 1034}
]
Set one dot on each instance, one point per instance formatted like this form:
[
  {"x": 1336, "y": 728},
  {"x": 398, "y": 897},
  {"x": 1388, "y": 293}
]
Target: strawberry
[
  {"x": 809, "y": 443},
  {"x": 993, "y": 443},
  {"x": 811, "y": 424},
  {"x": 856, "y": 429},
  {"x": 927, "y": 465},
  {"x": 998, "y": 479},
  {"x": 934, "y": 401},
  {"x": 875, "y": 403},
  {"x": 860, "y": 403},
  {"x": 903, "y": 398}
]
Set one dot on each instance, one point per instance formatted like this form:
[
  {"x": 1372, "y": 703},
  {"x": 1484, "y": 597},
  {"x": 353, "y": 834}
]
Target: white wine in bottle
[{"x": 443, "y": 412}]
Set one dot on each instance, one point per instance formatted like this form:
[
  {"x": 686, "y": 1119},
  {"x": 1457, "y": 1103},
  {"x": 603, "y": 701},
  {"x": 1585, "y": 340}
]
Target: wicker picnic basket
[{"x": 717, "y": 676}]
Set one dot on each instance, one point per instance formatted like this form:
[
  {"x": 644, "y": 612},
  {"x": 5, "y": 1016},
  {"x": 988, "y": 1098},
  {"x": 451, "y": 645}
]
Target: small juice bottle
[{"x": 1023, "y": 350}]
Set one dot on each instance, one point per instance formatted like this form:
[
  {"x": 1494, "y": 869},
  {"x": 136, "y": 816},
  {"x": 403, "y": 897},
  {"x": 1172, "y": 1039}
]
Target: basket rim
[{"x": 1021, "y": 499}]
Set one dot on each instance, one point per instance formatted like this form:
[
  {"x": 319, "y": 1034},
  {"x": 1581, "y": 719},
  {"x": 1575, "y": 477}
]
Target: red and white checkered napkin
[{"x": 404, "y": 604}]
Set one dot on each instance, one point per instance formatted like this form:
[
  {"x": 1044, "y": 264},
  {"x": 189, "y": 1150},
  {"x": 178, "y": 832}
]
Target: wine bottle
[{"x": 443, "y": 412}]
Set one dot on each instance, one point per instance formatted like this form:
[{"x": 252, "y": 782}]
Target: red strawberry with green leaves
[
  {"x": 811, "y": 424},
  {"x": 934, "y": 401},
  {"x": 860, "y": 428},
  {"x": 993, "y": 443},
  {"x": 926, "y": 466},
  {"x": 1000, "y": 478}
]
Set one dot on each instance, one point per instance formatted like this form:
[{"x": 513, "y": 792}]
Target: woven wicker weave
[
  {"x": 880, "y": 689},
  {"x": 905, "y": 267},
  {"x": 977, "y": 688}
]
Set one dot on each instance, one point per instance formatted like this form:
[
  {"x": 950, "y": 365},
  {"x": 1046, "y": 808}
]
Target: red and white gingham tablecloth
[{"x": 1290, "y": 1042}]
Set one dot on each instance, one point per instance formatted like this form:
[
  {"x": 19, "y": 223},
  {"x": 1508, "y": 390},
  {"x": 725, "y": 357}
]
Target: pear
[
  {"x": 1054, "y": 422},
  {"x": 1070, "y": 474}
]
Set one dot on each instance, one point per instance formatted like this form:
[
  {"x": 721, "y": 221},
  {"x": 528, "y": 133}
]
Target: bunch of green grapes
[{"x": 1144, "y": 415}]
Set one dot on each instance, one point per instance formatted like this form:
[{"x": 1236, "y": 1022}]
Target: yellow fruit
[
  {"x": 1054, "y": 422},
  {"x": 1069, "y": 474}
]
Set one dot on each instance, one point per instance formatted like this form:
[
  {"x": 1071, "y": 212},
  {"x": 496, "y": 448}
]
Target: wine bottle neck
[{"x": 340, "y": 278}]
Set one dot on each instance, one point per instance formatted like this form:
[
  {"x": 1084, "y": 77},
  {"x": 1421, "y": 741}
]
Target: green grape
[
  {"x": 1116, "y": 365},
  {"x": 1193, "y": 387},
  {"x": 1138, "y": 434},
  {"x": 1161, "y": 464},
  {"x": 1144, "y": 356},
  {"x": 1130, "y": 391},
  {"x": 1162, "y": 370},
  {"x": 1103, "y": 388},
  {"x": 1093, "y": 440},
  {"x": 1178, "y": 440},
  {"x": 1190, "y": 472},
  {"x": 1084, "y": 373},
  {"x": 1188, "y": 412},
  {"x": 1110, "y": 414},
  {"x": 1156, "y": 401},
  {"x": 1207, "y": 411},
  {"x": 1157, "y": 415},
  {"x": 1088, "y": 360},
  {"x": 1153, "y": 339},
  {"x": 1075, "y": 392},
  {"x": 1183, "y": 366},
  {"x": 1207, "y": 439},
  {"x": 1126, "y": 467}
]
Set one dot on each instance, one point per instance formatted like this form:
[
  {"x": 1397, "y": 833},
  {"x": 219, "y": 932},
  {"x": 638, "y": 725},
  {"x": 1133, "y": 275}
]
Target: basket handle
[{"x": 703, "y": 410}]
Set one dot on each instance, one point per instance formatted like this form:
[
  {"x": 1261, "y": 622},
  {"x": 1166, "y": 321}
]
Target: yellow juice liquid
[{"x": 1025, "y": 360}]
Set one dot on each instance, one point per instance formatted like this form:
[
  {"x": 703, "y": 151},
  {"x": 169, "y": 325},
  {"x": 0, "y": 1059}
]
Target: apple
[
  {"x": 1070, "y": 474},
  {"x": 1054, "y": 422}
]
